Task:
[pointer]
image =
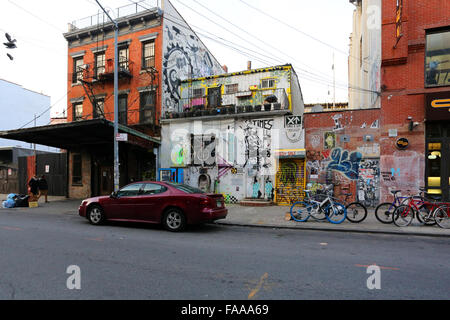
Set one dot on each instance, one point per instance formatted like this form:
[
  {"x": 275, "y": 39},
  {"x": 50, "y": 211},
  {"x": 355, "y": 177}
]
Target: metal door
[{"x": 290, "y": 181}]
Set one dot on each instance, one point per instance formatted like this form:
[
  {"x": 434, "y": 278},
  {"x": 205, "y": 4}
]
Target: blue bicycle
[{"x": 327, "y": 209}]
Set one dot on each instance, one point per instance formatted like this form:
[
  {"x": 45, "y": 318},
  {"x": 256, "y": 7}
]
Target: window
[
  {"x": 99, "y": 64},
  {"x": 124, "y": 56},
  {"x": 198, "y": 92},
  {"x": 148, "y": 54},
  {"x": 186, "y": 188},
  {"x": 152, "y": 188},
  {"x": 268, "y": 83},
  {"x": 123, "y": 108},
  {"x": 76, "y": 170},
  {"x": 131, "y": 190},
  {"x": 203, "y": 150},
  {"x": 77, "y": 70},
  {"x": 437, "y": 59},
  {"x": 99, "y": 109},
  {"x": 147, "y": 107},
  {"x": 231, "y": 88},
  {"x": 77, "y": 111}
]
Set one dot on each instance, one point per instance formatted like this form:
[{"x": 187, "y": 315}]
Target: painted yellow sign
[{"x": 441, "y": 103}]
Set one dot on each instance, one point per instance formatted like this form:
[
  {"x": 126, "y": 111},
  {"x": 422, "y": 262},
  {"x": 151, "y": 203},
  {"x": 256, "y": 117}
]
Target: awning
[
  {"x": 290, "y": 153},
  {"x": 77, "y": 134}
]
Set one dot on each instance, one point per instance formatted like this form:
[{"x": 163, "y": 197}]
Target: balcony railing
[
  {"x": 102, "y": 18},
  {"x": 239, "y": 102},
  {"x": 90, "y": 72}
]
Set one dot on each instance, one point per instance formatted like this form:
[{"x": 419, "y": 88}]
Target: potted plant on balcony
[
  {"x": 249, "y": 108},
  {"x": 240, "y": 109},
  {"x": 267, "y": 107},
  {"x": 231, "y": 109},
  {"x": 277, "y": 106},
  {"x": 258, "y": 108}
]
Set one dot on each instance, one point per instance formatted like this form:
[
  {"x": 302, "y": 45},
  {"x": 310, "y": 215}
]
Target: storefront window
[
  {"x": 437, "y": 62},
  {"x": 434, "y": 156}
]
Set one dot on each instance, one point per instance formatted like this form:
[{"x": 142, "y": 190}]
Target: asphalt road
[{"x": 123, "y": 261}]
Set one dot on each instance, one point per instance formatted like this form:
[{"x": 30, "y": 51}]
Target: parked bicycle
[
  {"x": 385, "y": 210},
  {"x": 356, "y": 211},
  {"x": 328, "y": 209},
  {"x": 427, "y": 211}
]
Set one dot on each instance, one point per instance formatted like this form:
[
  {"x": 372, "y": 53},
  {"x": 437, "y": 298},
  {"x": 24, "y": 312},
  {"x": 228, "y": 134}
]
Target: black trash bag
[{"x": 21, "y": 201}]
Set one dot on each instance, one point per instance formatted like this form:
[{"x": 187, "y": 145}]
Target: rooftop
[{"x": 101, "y": 18}]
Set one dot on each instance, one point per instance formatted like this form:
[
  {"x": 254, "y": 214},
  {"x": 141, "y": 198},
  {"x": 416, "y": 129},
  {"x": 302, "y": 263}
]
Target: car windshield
[{"x": 186, "y": 188}]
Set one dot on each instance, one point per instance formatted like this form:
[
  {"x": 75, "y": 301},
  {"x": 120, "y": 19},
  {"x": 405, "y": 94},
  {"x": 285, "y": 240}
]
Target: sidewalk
[
  {"x": 266, "y": 217},
  {"x": 274, "y": 217}
]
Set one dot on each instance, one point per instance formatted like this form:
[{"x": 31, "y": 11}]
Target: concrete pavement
[{"x": 266, "y": 217}]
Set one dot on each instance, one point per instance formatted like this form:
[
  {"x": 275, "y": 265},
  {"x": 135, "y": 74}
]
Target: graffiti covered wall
[
  {"x": 235, "y": 157},
  {"x": 184, "y": 57}
]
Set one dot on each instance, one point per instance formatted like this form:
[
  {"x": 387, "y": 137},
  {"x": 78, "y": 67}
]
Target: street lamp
[{"x": 116, "y": 100}]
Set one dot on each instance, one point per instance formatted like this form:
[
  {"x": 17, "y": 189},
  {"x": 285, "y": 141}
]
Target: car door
[
  {"x": 149, "y": 202},
  {"x": 123, "y": 206}
]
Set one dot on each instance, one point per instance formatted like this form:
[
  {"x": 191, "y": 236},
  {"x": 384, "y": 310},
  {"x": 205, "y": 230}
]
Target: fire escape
[{"x": 93, "y": 75}]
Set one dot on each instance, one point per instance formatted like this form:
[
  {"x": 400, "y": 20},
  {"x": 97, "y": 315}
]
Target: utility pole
[
  {"x": 334, "y": 84},
  {"x": 116, "y": 100}
]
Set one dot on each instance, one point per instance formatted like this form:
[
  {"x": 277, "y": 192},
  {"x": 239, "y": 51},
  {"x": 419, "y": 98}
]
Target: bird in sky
[{"x": 11, "y": 44}]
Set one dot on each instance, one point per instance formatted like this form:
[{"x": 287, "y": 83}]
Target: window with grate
[
  {"x": 148, "y": 54},
  {"x": 231, "y": 88}
]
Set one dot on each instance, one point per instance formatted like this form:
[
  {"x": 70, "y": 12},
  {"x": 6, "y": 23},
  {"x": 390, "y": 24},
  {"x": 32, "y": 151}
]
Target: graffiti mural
[
  {"x": 346, "y": 163},
  {"x": 184, "y": 57},
  {"x": 329, "y": 140},
  {"x": 290, "y": 182}
]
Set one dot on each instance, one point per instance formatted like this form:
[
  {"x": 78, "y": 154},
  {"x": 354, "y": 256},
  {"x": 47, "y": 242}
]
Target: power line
[
  {"x": 309, "y": 76},
  {"x": 35, "y": 16},
  {"x": 301, "y": 32}
]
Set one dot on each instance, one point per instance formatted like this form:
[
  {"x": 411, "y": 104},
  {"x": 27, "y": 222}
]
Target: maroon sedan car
[{"x": 172, "y": 205}]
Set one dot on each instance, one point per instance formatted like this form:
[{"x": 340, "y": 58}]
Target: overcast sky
[{"x": 307, "y": 36}]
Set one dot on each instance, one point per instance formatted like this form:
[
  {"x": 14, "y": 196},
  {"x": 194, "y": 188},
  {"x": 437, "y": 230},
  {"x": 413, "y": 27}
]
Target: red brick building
[{"x": 406, "y": 144}]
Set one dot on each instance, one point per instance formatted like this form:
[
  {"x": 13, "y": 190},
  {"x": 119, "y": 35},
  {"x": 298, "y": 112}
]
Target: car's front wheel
[
  {"x": 96, "y": 215},
  {"x": 174, "y": 220}
]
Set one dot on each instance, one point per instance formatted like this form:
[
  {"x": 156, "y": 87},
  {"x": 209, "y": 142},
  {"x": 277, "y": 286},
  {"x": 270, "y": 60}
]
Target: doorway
[{"x": 437, "y": 168}]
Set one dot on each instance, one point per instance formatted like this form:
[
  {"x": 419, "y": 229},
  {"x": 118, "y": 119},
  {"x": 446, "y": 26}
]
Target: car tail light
[{"x": 205, "y": 202}]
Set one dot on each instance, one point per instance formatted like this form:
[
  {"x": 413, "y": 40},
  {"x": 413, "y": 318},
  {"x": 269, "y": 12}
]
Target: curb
[{"x": 373, "y": 231}]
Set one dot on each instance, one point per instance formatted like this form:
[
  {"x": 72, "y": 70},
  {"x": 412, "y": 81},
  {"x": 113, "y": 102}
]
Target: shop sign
[
  {"x": 438, "y": 106},
  {"x": 402, "y": 144}
]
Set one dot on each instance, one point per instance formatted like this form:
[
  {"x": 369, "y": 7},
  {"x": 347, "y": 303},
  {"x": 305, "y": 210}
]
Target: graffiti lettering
[{"x": 345, "y": 163}]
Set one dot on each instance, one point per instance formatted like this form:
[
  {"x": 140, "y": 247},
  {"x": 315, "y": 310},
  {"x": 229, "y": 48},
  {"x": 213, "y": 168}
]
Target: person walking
[
  {"x": 33, "y": 189},
  {"x": 43, "y": 188}
]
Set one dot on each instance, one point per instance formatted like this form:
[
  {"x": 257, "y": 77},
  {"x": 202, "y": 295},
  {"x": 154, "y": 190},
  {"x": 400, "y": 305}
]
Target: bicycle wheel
[
  {"x": 318, "y": 213},
  {"x": 384, "y": 212},
  {"x": 424, "y": 216},
  {"x": 336, "y": 213},
  {"x": 442, "y": 216},
  {"x": 300, "y": 211},
  {"x": 403, "y": 216},
  {"x": 356, "y": 212}
]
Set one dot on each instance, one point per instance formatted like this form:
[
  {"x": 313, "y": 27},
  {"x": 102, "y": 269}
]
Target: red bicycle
[{"x": 427, "y": 211}]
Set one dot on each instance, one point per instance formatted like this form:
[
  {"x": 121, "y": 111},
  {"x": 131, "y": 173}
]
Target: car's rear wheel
[
  {"x": 174, "y": 220},
  {"x": 96, "y": 216}
]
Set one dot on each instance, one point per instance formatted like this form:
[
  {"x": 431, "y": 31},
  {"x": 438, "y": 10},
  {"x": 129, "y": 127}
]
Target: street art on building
[
  {"x": 329, "y": 140},
  {"x": 369, "y": 182},
  {"x": 184, "y": 57}
]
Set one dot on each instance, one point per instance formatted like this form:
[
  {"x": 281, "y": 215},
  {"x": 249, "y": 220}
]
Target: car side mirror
[{"x": 113, "y": 195}]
